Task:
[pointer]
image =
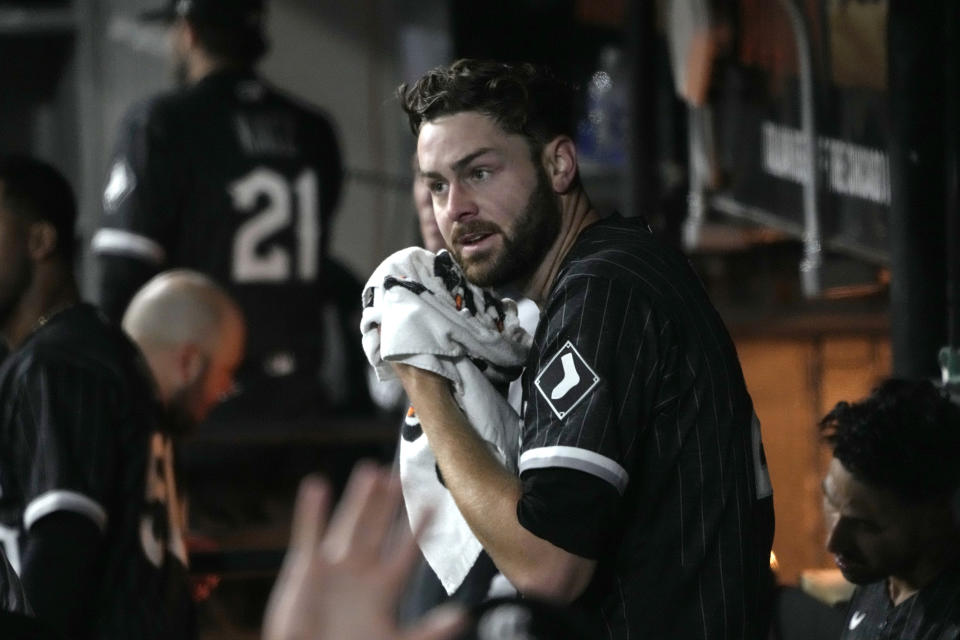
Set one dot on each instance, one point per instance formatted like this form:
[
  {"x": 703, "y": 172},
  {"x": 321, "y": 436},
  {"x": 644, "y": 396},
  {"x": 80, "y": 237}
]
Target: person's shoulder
[
  {"x": 629, "y": 254},
  {"x": 311, "y": 117},
  {"x": 301, "y": 106},
  {"x": 614, "y": 249},
  {"x": 160, "y": 111},
  {"x": 80, "y": 339},
  {"x": 160, "y": 103}
]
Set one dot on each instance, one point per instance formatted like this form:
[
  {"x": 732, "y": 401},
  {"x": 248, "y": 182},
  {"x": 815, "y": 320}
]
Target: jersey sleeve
[
  {"x": 64, "y": 420},
  {"x": 588, "y": 397},
  {"x": 140, "y": 209},
  {"x": 140, "y": 197}
]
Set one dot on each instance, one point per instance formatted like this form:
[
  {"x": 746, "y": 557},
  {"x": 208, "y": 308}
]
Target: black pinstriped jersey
[
  {"x": 933, "y": 613},
  {"x": 235, "y": 180},
  {"x": 79, "y": 432},
  {"x": 12, "y": 597},
  {"x": 639, "y": 446}
]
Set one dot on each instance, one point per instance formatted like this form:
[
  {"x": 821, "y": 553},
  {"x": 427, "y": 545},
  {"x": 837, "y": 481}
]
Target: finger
[
  {"x": 284, "y": 608},
  {"x": 375, "y": 527},
  {"x": 361, "y": 490},
  {"x": 405, "y": 552},
  {"x": 443, "y": 623},
  {"x": 310, "y": 515}
]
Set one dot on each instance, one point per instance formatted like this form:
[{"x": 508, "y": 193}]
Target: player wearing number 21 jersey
[{"x": 233, "y": 179}]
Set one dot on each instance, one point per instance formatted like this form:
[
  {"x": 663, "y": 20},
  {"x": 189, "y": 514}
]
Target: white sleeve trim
[
  {"x": 126, "y": 243},
  {"x": 579, "y": 459},
  {"x": 61, "y": 500}
]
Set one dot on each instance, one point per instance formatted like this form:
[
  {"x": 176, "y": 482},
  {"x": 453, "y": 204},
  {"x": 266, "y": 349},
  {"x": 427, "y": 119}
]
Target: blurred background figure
[
  {"x": 89, "y": 515},
  {"x": 423, "y": 202},
  {"x": 229, "y": 177},
  {"x": 192, "y": 335},
  {"x": 888, "y": 497}
]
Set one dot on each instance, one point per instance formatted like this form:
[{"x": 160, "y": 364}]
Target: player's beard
[
  {"x": 525, "y": 243},
  {"x": 184, "y": 410}
]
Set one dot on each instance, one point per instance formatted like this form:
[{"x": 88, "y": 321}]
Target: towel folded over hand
[{"x": 420, "y": 310}]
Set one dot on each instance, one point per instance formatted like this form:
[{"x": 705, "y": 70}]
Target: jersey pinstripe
[
  {"x": 933, "y": 613},
  {"x": 637, "y": 446},
  {"x": 79, "y": 429},
  {"x": 12, "y": 597},
  {"x": 233, "y": 179}
]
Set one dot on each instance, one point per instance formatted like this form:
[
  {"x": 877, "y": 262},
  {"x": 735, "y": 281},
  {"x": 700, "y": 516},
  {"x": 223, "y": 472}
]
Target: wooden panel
[
  {"x": 778, "y": 377},
  {"x": 794, "y": 382}
]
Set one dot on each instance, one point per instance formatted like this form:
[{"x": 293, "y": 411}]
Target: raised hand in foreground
[{"x": 343, "y": 581}]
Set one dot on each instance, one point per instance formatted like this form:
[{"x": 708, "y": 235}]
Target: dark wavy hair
[
  {"x": 522, "y": 98},
  {"x": 36, "y": 192},
  {"x": 904, "y": 437}
]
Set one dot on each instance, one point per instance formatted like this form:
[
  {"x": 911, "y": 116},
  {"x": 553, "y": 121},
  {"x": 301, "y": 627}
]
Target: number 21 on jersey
[{"x": 289, "y": 203}]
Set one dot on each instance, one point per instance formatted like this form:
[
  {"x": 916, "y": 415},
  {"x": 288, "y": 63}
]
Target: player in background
[
  {"x": 231, "y": 178},
  {"x": 88, "y": 503},
  {"x": 890, "y": 499}
]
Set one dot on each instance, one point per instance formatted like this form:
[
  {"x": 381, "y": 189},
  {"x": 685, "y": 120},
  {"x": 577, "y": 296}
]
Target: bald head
[
  {"x": 178, "y": 306},
  {"x": 192, "y": 334}
]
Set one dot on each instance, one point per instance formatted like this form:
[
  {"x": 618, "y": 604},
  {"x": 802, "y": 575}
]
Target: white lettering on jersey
[
  {"x": 856, "y": 619},
  {"x": 10, "y": 540},
  {"x": 760, "y": 470},
  {"x": 161, "y": 524},
  {"x": 255, "y": 259}
]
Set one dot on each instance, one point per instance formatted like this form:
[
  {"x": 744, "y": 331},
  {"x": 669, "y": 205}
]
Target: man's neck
[
  {"x": 928, "y": 569},
  {"x": 39, "y": 303},
  {"x": 201, "y": 65},
  {"x": 576, "y": 214}
]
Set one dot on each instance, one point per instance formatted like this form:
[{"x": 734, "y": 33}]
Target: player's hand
[{"x": 343, "y": 581}]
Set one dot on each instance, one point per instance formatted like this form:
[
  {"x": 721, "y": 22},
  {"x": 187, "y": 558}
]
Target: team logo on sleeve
[
  {"x": 119, "y": 185},
  {"x": 566, "y": 380}
]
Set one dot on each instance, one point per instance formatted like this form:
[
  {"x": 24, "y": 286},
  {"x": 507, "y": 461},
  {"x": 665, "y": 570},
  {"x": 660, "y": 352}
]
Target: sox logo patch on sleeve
[
  {"x": 121, "y": 183},
  {"x": 566, "y": 380}
]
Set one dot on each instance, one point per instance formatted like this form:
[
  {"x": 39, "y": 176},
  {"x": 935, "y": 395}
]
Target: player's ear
[
  {"x": 560, "y": 162},
  {"x": 190, "y": 362},
  {"x": 41, "y": 240}
]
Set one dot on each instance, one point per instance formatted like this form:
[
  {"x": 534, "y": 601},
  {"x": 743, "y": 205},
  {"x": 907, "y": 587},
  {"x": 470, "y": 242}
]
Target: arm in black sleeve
[
  {"x": 61, "y": 567},
  {"x": 141, "y": 210},
  {"x": 120, "y": 278}
]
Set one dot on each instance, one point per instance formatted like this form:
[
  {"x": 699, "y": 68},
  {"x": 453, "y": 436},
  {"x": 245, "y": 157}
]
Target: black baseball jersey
[
  {"x": 80, "y": 431},
  {"x": 235, "y": 180},
  {"x": 640, "y": 448},
  {"x": 933, "y": 613},
  {"x": 12, "y": 597}
]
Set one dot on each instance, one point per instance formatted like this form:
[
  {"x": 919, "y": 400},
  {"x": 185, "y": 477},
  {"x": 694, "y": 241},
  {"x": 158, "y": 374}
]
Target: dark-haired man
[
  {"x": 888, "y": 497},
  {"x": 90, "y": 526},
  {"x": 643, "y": 499},
  {"x": 228, "y": 177}
]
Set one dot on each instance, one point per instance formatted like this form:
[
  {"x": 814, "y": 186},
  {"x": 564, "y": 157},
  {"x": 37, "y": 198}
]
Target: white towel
[{"x": 420, "y": 310}]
